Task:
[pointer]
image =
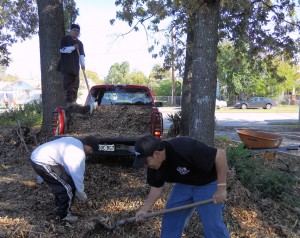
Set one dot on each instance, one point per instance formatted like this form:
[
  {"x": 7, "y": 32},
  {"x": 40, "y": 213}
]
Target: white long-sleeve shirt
[
  {"x": 70, "y": 49},
  {"x": 66, "y": 151}
]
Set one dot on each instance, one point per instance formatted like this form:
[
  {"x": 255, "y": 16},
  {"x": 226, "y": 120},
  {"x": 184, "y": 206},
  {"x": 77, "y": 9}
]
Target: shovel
[
  {"x": 152, "y": 214},
  {"x": 85, "y": 78}
]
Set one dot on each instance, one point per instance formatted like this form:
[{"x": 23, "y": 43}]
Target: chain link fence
[
  {"x": 283, "y": 100},
  {"x": 167, "y": 101}
]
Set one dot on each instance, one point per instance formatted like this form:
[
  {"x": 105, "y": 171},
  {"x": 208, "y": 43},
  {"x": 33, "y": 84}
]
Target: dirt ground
[{"x": 115, "y": 192}]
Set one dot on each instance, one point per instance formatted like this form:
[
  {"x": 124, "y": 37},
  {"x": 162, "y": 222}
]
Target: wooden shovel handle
[
  {"x": 85, "y": 78},
  {"x": 154, "y": 214}
]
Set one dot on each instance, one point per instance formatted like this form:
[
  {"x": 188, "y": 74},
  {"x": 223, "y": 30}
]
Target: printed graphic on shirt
[{"x": 183, "y": 170}]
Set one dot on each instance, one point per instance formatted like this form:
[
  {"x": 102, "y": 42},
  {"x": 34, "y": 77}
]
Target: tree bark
[
  {"x": 51, "y": 29},
  {"x": 204, "y": 81},
  {"x": 187, "y": 82}
]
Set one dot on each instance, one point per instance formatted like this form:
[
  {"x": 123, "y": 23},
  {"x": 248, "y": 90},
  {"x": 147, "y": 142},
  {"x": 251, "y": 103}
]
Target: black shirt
[
  {"x": 69, "y": 62},
  {"x": 188, "y": 161}
]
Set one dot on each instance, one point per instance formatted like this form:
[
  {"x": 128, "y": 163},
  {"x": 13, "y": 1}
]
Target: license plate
[{"x": 107, "y": 147}]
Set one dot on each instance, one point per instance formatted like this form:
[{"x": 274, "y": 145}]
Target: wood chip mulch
[
  {"x": 115, "y": 192},
  {"x": 111, "y": 121}
]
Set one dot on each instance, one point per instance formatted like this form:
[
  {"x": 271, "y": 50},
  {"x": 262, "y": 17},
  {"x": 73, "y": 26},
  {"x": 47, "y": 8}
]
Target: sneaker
[
  {"x": 70, "y": 218},
  {"x": 93, "y": 107}
]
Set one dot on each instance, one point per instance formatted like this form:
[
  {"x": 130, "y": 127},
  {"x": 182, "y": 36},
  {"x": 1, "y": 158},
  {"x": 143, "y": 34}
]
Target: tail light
[
  {"x": 58, "y": 121},
  {"x": 157, "y": 124},
  {"x": 55, "y": 123}
]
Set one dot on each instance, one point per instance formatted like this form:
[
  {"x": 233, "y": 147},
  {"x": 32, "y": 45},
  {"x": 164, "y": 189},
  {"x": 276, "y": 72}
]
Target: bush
[
  {"x": 174, "y": 129},
  {"x": 256, "y": 176},
  {"x": 30, "y": 115},
  {"x": 273, "y": 183}
]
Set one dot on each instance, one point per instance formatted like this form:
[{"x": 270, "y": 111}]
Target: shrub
[
  {"x": 175, "y": 119},
  {"x": 256, "y": 176},
  {"x": 30, "y": 115}
]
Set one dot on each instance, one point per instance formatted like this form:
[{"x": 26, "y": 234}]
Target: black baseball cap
[
  {"x": 75, "y": 27},
  {"x": 145, "y": 147},
  {"x": 91, "y": 141}
]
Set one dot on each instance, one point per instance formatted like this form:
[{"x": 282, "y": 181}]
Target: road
[
  {"x": 254, "y": 119},
  {"x": 240, "y": 119},
  {"x": 236, "y": 119}
]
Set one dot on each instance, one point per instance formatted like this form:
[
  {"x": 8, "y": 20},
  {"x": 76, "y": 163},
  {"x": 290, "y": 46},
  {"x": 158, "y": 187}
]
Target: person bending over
[
  {"x": 198, "y": 172},
  {"x": 61, "y": 164}
]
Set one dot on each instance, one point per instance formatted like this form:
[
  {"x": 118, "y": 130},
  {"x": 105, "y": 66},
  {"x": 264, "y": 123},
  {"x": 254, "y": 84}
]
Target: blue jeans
[{"x": 211, "y": 215}]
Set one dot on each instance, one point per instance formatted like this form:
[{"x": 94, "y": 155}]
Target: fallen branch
[{"x": 20, "y": 134}]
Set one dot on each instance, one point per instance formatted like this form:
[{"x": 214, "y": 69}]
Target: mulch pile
[
  {"x": 115, "y": 191},
  {"x": 111, "y": 121}
]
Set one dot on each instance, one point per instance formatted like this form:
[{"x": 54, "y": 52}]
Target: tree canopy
[
  {"x": 164, "y": 88},
  {"x": 118, "y": 73},
  {"x": 19, "y": 20},
  {"x": 257, "y": 28},
  {"x": 158, "y": 73}
]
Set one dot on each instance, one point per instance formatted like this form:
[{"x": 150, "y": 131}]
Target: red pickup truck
[{"x": 123, "y": 113}]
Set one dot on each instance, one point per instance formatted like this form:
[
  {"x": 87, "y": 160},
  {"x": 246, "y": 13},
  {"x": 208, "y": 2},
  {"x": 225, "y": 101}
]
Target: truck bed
[{"x": 113, "y": 121}]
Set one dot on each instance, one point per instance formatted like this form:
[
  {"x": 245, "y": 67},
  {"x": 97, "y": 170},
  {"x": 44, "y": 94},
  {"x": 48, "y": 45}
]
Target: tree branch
[
  {"x": 19, "y": 132},
  {"x": 279, "y": 15}
]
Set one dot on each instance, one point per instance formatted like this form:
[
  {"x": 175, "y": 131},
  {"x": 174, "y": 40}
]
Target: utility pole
[
  {"x": 173, "y": 70},
  {"x": 299, "y": 113},
  {"x": 299, "y": 100}
]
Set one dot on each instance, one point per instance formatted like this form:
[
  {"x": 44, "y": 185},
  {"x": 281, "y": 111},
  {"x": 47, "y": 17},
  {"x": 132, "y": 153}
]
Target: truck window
[{"x": 121, "y": 95}]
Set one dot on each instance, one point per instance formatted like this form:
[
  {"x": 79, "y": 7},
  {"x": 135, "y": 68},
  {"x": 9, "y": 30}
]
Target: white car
[{"x": 220, "y": 103}]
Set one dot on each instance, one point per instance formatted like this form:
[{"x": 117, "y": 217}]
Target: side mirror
[{"x": 158, "y": 104}]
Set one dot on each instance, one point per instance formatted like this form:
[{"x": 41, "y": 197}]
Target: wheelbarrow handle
[{"x": 154, "y": 214}]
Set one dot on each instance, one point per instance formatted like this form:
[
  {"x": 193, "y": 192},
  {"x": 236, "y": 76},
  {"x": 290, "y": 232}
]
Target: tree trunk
[
  {"x": 187, "y": 82},
  {"x": 51, "y": 29},
  {"x": 204, "y": 81}
]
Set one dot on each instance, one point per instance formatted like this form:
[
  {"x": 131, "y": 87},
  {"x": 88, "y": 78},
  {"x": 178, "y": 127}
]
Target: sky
[{"x": 101, "y": 46}]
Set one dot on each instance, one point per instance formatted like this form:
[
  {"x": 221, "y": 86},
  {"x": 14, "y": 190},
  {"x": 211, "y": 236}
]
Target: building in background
[{"x": 18, "y": 93}]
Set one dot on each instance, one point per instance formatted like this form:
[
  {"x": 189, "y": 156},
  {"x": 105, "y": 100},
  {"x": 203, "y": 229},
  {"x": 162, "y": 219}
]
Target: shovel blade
[{"x": 153, "y": 214}]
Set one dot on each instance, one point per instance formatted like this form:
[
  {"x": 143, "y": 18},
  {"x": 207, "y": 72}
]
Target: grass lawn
[{"x": 279, "y": 109}]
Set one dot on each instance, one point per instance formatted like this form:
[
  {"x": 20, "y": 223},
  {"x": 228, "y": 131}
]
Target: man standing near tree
[{"x": 72, "y": 54}]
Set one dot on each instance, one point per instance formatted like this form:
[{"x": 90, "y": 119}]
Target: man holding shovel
[
  {"x": 199, "y": 173},
  {"x": 72, "y": 54}
]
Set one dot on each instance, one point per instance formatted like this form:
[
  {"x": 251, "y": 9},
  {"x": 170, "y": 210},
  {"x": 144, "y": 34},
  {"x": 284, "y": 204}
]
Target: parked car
[
  {"x": 257, "y": 102},
  {"x": 220, "y": 103}
]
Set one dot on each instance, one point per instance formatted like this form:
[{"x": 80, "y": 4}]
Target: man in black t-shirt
[
  {"x": 72, "y": 54},
  {"x": 199, "y": 173}
]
